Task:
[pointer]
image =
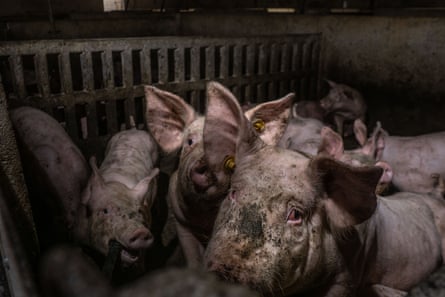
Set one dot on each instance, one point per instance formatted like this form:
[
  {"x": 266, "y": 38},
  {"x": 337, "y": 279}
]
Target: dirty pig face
[{"x": 268, "y": 231}]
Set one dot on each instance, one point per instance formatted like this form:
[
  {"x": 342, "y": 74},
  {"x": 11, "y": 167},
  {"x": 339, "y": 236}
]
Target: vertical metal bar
[
  {"x": 41, "y": 68},
  {"x": 250, "y": 67},
  {"x": 237, "y": 60},
  {"x": 111, "y": 117},
  {"x": 17, "y": 71},
  {"x": 127, "y": 68},
  {"x": 70, "y": 119},
  {"x": 194, "y": 63},
  {"x": 224, "y": 62},
  {"x": 92, "y": 120},
  {"x": 65, "y": 72},
  {"x": 210, "y": 62},
  {"x": 263, "y": 59},
  {"x": 107, "y": 69},
  {"x": 163, "y": 65},
  {"x": 236, "y": 92},
  {"x": 145, "y": 66},
  {"x": 179, "y": 64},
  {"x": 274, "y": 56},
  {"x": 129, "y": 109},
  {"x": 86, "y": 64}
]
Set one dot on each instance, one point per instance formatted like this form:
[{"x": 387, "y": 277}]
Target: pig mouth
[{"x": 129, "y": 256}]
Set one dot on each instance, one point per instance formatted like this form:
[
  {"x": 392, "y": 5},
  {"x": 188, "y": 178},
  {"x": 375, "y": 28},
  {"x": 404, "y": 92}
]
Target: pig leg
[{"x": 191, "y": 247}]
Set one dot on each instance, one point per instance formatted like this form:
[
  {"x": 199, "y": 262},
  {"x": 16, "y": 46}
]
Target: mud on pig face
[
  {"x": 274, "y": 229},
  {"x": 115, "y": 212}
]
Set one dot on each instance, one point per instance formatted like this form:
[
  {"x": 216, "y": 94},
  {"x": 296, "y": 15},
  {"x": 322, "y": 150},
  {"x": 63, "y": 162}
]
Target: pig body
[
  {"x": 291, "y": 224},
  {"x": 53, "y": 159},
  {"x": 344, "y": 104},
  {"x": 415, "y": 160},
  {"x": 117, "y": 200},
  {"x": 195, "y": 191}
]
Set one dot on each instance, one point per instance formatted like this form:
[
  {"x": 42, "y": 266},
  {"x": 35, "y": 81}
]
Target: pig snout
[
  {"x": 134, "y": 244},
  {"x": 200, "y": 176}
]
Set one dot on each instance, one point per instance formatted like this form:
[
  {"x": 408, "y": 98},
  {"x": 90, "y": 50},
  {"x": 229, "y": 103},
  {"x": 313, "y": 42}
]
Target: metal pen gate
[
  {"x": 100, "y": 81},
  {"x": 97, "y": 84}
]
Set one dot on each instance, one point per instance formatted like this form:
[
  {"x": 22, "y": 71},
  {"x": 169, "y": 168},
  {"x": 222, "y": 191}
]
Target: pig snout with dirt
[
  {"x": 416, "y": 161},
  {"x": 343, "y": 104},
  {"x": 54, "y": 160},
  {"x": 195, "y": 191},
  {"x": 116, "y": 202},
  {"x": 292, "y": 224}
]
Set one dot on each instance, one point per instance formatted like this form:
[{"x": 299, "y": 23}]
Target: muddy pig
[
  {"x": 65, "y": 272},
  {"x": 55, "y": 164},
  {"x": 343, "y": 104},
  {"x": 309, "y": 109},
  {"x": 195, "y": 192},
  {"x": 291, "y": 224},
  {"x": 116, "y": 202},
  {"x": 416, "y": 161}
]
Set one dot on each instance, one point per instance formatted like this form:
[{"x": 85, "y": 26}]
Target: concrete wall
[{"x": 397, "y": 62}]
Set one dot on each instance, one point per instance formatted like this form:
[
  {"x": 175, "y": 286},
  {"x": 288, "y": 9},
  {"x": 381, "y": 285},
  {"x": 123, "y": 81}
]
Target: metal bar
[
  {"x": 250, "y": 59},
  {"x": 224, "y": 62},
  {"x": 163, "y": 65},
  {"x": 194, "y": 63},
  {"x": 107, "y": 69},
  {"x": 17, "y": 71},
  {"x": 111, "y": 117},
  {"x": 65, "y": 73},
  {"x": 179, "y": 65},
  {"x": 86, "y": 64},
  {"x": 127, "y": 68},
  {"x": 41, "y": 68},
  {"x": 237, "y": 60},
  {"x": 210, "y": 62},
  {"x": 145, "y": 66}
]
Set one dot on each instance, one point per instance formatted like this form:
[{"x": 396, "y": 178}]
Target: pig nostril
[{"x": 201, "y": 169}]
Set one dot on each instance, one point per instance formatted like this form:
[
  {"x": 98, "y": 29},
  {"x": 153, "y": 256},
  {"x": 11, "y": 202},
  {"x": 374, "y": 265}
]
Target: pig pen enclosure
[{"x": 94, "y": 86}]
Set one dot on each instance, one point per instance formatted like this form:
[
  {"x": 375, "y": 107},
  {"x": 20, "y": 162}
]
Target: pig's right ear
[
  {"x": 96, "y": 180},
  {"x": 331, "y": 83},
  {"x": 270, "y": 118},
  {"x": 331, "y": 144},
  {"x": 375, "y": 145},
  {"x": 227, "y": 132},
  {"x": 349, "y": 191},
  {"x": 166, "y": 117}
]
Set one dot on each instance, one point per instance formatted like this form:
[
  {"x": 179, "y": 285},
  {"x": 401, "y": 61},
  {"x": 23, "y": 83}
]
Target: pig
[
  {"x": 66, "y": 272},
  {"x": 309, "y": 109},
  {"x": 344, "y": 104},
  {"x": 302, "y": 134},
  {"x": 415, "y": 160},
  {"x": 195, "y": 192},
  {"x": 51, "y": 158},
  {"x": 292, "y": 224},
  {"x": 116, "y": 203},
  {"x": 331, "y": 145}
]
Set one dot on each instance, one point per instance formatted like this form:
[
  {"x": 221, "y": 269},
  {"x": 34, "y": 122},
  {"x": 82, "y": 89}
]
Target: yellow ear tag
[
  {"x": 229, "y": 163},
  {"x": 259, "y": 125}
]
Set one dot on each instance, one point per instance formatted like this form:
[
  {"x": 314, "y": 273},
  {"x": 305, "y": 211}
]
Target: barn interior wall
[{"x": 398, "y": 62}]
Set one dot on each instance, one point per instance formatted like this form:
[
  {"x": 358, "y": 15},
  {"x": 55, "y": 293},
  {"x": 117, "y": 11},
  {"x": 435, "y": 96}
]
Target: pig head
[
  {"x": 117, "y": 200},
  {"x": 343, "y": 104},
  {"x": 292, "y": 224},
  {"x": 196, "y": 191},
  {"x": 415, "y": 160}
]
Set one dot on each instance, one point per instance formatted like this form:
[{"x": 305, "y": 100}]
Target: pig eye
[
  {"x": 190, "y": 141},
  {"x": 294, "y": 217},
  {"x": 105, "y": 211}
]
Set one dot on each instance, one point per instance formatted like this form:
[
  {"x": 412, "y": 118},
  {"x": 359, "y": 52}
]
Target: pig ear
[
  {"x": 376, "y": 143},
  {"x": 270, "y": 118},
  {"x": 350, "y": 191},
  {"x": 141, "y": 189},
  {"x": 360, "y": 131},
  {"x": 331, "y": 143},
  {"x": 96, "y": 176},
  {"x": 166, "y": 117},
  {"x": 96, "y": 180},
  {"x": 331, "y": 83},
  {"x": 225, "y": 130}
]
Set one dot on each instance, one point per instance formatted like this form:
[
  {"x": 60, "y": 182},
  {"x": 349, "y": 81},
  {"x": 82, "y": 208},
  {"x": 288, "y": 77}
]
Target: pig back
[{"x": 130, "y": 156}]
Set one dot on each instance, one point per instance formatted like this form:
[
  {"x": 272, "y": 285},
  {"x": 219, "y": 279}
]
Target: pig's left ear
[
  {"x": 270, "y": 118},
  {"x": 350, "y": 191},
  {"x": 331, "y": 144},
  {"x": 331, "y": 83},
  {"x": 360, "y": 132},
  {"x": 227, "y": 132},
  {"x": 144, "y": 185}
]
